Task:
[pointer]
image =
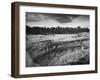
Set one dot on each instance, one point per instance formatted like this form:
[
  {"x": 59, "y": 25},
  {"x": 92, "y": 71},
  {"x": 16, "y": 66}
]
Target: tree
[{"x": 54, "y": 30}]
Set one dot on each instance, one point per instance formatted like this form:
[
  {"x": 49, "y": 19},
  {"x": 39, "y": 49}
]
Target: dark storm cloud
[
  {"x": 64, "y": 19},
  {"x": 60, "y": 18}
]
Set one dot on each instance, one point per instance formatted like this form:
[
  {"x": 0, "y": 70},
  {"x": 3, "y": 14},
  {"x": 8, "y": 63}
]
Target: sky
[{"x": 54, "y": 20}]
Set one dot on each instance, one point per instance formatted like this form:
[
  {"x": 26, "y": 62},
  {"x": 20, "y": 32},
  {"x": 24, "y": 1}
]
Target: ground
[{"x": 57, "y": 49}]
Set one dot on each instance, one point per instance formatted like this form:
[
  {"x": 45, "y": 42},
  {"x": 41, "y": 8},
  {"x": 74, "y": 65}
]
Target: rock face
[{"x": 52, "y": 52}]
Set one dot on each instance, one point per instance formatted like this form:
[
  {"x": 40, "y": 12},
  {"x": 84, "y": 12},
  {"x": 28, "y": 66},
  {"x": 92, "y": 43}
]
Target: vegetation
[{"x": 54, "y": 30}]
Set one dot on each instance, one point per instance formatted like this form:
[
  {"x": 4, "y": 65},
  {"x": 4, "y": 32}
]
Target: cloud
[
  {"x": 32, "y": 17},
  {"x": 59, "y": 18},
  {"x": 64, "y": 19}
]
